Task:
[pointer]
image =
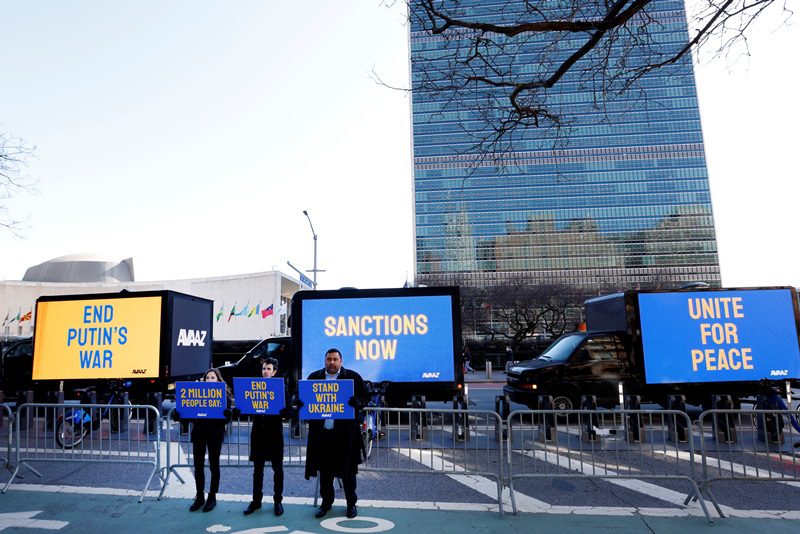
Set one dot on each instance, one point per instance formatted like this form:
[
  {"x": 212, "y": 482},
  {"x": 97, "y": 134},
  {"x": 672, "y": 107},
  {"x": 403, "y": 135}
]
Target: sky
[{"x": 191, "y": 135}]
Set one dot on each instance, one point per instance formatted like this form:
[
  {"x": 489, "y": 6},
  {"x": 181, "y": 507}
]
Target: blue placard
[
  {"x": 200, "y": 400},
  {"x": 719, "y": 336},
  {"x": 262, "y": 396},
  {"x": 399, "y": 339},
  {"x": 326, "y": 399}
]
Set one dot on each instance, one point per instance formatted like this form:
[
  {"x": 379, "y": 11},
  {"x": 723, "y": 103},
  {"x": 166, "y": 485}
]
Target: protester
[
  {"x": 266, "y": 444},
  {"x": 335, "y": 447},
  {"x": 208, "y": 434}
]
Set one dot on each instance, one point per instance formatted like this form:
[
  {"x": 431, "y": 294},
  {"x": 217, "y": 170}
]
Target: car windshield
[
  {"x": 263, "y": 349},
  {"x": 562, "y": 348}
]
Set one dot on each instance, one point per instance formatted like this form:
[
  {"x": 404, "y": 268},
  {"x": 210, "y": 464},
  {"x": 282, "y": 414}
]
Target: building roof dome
[{"x": 81, "y": 268}]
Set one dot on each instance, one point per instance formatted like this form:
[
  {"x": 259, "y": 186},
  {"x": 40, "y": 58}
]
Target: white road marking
[{"x": 25, "y": 520}]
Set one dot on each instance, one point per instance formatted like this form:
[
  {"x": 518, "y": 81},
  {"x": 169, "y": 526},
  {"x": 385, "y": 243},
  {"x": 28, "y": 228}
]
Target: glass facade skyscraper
[{"x": 623, "y": 201}]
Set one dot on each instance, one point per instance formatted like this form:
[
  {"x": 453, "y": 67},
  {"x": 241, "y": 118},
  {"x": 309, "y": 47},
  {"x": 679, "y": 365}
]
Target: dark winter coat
[
  {"x": 338, "y": 450},
  {"x": 266, "y": 437}
]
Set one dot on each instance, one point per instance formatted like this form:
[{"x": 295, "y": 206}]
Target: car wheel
[{"x": 564, "y": 402}]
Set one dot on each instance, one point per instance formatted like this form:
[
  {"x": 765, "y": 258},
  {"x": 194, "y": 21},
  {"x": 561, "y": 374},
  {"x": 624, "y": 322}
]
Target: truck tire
[{"x": 565, "y": 401}]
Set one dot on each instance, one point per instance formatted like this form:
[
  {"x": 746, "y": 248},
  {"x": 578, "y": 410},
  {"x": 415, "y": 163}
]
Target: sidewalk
[
  {"x": 479, "y": 376},
  {"x": 72, "y": 511}
]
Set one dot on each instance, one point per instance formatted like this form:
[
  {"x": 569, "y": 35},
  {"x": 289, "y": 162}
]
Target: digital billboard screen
[
  {"x": 397, "y": 336},
  {"x": 94, "y": 338},
  {"x": 719, "y": 336}
]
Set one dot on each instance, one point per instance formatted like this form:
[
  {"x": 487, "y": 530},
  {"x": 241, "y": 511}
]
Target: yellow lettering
[
  {"x": 747, "y": 358},
  {"x": 697, "y": 357},
  {"x": 330, "y": 326}
]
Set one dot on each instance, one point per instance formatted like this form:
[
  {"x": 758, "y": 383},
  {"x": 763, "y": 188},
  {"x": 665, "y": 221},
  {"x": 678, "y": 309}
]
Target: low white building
[{"x": 246, "y": 306}]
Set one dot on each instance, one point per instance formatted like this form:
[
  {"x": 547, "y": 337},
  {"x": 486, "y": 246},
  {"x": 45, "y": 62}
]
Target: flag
[
  {"x": 252, "y": 311},
  {"x": 266, "y": 312},
  {"x": 233, "y": 312},
  {"x": 27, "y": 317},
  {"x": 243, "y": 311},
  {"x": 219, "y": 313},
  {"x": 6, "y": 319}
]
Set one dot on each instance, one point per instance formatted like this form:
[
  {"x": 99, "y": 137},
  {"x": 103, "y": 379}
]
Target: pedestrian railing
[
  {"x": 89, "y": 433},
  {"x": 235, "y": 446},
  {"x": 646, "y": 450},
  {"x": 451, "y": 442},
  {"x": 6, "y": 436},
  {"x": 614, "y": 446},
  {"x": 751, "y": 445}
]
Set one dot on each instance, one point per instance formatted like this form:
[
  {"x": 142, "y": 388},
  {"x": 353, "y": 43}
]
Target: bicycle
[
  {"x": 772, "y": 425},
  {"x": 76, "y": 422},
  {"x": 372, "y": 426}
]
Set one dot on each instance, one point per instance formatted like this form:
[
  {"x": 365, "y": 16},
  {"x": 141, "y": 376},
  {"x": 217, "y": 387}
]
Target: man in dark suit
[{"x": 335, "y": 447}]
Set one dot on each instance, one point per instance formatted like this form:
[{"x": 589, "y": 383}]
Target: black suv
[
  {"x": 17, "y": 367},
  {"x": 249, "y": 365}
]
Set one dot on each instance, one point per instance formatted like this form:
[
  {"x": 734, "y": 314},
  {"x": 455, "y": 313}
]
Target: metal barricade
[
  {"x": 89, "y": 433},
  {"x": 6, "y": 436},
  {"x": 764, "y": 448},
  {"x": 235, "y": 447},
  {"x": 614, "y": 449},
  {"x": 441, "y": 448}
]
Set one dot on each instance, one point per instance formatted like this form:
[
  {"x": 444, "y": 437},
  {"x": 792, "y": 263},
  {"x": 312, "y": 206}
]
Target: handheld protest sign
[
  {"x": 326, "y": 399},
  {"x": 200, "y": 400},
  {"x": 262, "y": 396}
]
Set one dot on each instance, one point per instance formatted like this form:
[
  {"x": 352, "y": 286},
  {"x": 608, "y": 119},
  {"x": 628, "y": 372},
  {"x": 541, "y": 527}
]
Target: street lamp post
[{"x": 313, "y": 233}]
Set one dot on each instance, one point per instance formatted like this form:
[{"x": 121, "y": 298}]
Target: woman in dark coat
[
  {"x": 207, "y": 434},
  {"x": 266, "y": 444}
]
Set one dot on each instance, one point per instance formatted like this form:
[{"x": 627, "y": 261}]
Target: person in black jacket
[
  {"x": 208, "y": 434},
  {"x": 335, "y": 447},
  {"x": 266, "y": 443}
]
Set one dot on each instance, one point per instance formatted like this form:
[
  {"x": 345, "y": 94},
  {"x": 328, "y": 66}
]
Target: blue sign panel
[
  {"x": 326, "y": 399},
  {"x": 200, "y": 400},
  {"x": 399, "y": 339},
  {"x": 263, "y": 396},
  {"x": 719, "y": 336}
]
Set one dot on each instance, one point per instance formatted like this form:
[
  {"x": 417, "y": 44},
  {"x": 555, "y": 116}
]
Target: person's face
[
  {"x": 211, "y": 376},
  {"x": 333, "y": 362},
  {"x": 267, "y": 370}
]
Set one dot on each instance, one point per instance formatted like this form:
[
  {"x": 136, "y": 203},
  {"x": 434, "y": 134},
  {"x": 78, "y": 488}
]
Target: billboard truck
[
  {"x": 695, "y": 343},
  {"x": 151, "y": 337},
  {"x": 409, "y": 337}
]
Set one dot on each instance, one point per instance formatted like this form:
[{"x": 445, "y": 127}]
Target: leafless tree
[
  {"x": 504, "y": 69},
  {"x": 13, "y": 156},
  {"x": 524, "y": 308}
]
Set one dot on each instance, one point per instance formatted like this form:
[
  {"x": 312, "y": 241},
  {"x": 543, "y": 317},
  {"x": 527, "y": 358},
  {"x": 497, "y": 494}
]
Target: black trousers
[
  {"x": 277, "y": 478},
  {"x": 326, "y": 488},
  {"x": 199, "y": 445}
]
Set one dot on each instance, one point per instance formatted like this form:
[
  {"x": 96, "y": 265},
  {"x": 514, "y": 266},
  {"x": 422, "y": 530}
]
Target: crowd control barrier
[
  {"x": 429, "y": 441},
  {"x": 608, "y": 445},
  {"x": 751, "y": 445},
  {"x": 6, "y": 436},
  {"x": 88, "y": 433},
  {"x": 235, "y": 446}
]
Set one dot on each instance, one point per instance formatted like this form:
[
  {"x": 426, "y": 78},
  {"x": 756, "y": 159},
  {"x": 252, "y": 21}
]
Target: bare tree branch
[{"x": 14, "y": 154}]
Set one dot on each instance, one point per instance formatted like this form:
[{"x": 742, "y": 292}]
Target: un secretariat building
[{"x": 624, "y": 201}]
